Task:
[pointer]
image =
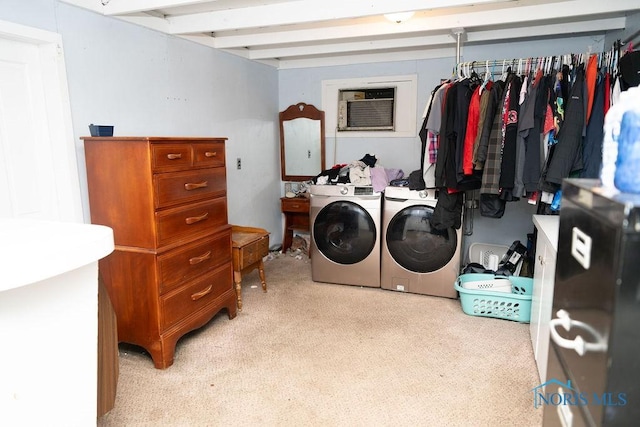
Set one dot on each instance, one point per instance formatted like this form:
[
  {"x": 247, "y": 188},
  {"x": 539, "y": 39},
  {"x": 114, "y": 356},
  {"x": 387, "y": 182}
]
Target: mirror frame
[{"x": 296, "y": 111}]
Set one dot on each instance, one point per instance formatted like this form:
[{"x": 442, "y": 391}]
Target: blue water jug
[{"x": 627, "y": 175}]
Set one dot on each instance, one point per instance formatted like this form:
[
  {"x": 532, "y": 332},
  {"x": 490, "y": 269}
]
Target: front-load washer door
[
  {"x": 344, "y": 232},
  {"x": 415, "y": 245}
]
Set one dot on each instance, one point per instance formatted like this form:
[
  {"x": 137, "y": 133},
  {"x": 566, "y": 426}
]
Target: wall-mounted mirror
[{"x": 301, "y": 142}]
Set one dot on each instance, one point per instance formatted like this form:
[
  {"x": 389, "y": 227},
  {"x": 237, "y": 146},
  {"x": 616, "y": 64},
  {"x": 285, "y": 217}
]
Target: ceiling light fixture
[{"x": 398, "y": 17}]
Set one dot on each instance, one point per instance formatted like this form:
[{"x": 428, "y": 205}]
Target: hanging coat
[{"x": 567, "y": 157}]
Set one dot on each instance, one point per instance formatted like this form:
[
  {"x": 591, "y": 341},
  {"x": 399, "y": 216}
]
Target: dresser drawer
[
  {"x": 166, "y": 157},
  {"x": 187, "y": 221},
  {"x": 208, "y": 154},
  {"x": 298, "y": 204},
  {"x": 180, "y": 187},
  {"x": 253, "y": 252},
  {"x": 187, "y": 262},
  {"x": 194, "y": 296}
]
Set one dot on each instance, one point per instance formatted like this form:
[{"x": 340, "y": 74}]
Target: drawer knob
[
  {"x": 193, "y": 219},
  {"x": 202, "y": 293},
  {"x": 198, "y": 259},
  {"x": 210, "y": 153},
  {"x": 174, "y": 156},
  {"x": 195, "y": 185}
]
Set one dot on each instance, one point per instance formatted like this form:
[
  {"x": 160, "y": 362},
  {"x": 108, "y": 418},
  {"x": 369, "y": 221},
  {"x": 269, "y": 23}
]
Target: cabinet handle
[
  {"x": 172, "y": 156},
  {"x": 198, "y": 295},
  {"x": 195, "y": 185},
  {"x": 579, "y": 344},
  {"x": 210, "y": 153},
  {"x": 193, "y": 219},
  {"x": 295, "y": 206},
  {"x": 198, "y": 259}
]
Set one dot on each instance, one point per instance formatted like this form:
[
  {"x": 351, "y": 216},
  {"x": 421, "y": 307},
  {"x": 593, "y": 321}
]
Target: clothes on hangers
[
  {"x": 592, "y": 148},
  {"x": 508, "y": 147},
  {"x": 473, "y": 117},
  {"x": 630, "y": 69},
  {"x": 493, "y": 104},
  {"x": 485, "y": 99},
  {"x": 520, "y": 136},
  {"x": 493, "y": 162},
  {"x": 566, "y": 159},
  {"x": 591, "y": 75}
]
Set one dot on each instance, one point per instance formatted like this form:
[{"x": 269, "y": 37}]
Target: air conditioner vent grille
[
  {"x": 367, "y": 109},
  {"x": 371, "y": 113}
]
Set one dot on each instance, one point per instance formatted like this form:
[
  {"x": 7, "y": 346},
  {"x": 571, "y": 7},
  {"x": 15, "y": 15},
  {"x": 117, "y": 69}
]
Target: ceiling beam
[
  {"x": 575, "y": 9},
  {"x": 149, "y": 21},
  {"x": 125, "y": 7},
  {"x": 417, "y": 54},
  {"x": 302, "y": 11},
  {"x": 335, "y": 48},
  {"x": 93, "y": 5},
  {"x": 594, "y": 26}
]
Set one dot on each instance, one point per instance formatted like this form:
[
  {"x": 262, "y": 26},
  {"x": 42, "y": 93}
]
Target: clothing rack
[{"x": 607, "y": 59}]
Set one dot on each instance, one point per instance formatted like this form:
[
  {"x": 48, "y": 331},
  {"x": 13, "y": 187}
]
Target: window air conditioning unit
[{"x": 371, "y": 109}]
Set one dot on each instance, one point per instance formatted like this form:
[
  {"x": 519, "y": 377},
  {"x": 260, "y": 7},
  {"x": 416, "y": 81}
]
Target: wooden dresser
[
  {"x": 296, "y": 217},
  {"x": 165, "y": 199}
]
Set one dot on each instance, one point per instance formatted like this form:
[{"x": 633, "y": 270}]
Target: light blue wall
[
  {"x": 305, "y": 85},
  {"x": 148, "y": 83}
]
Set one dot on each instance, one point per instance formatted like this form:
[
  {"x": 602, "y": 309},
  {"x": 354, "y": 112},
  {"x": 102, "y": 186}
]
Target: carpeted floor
[{"x": 317, "y": 354}]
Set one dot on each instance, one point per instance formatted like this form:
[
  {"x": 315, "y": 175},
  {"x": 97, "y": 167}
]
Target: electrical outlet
[{"x": 239, "y": 163}]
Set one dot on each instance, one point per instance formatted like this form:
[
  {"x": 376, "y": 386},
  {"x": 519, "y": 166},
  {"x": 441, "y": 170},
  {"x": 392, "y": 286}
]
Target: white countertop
[
  {"x": 549, "y": 225},
  {"x": 34, "y": 250}
]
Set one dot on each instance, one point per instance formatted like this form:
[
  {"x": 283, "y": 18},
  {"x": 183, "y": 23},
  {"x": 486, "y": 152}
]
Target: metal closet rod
[
  {"x": 532, "y": 60},
  {"x": 500, "y": 66},
  {"x": 546, "y": 63}
]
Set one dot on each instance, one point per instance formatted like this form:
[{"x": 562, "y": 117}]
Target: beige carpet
[{"x": 317, "y": 354}]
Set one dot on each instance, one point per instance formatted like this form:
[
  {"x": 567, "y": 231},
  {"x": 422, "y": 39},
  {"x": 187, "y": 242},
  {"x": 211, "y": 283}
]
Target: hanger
[
  {"x": 487, "y": 77},
  {"x": 547, "y": 69}
]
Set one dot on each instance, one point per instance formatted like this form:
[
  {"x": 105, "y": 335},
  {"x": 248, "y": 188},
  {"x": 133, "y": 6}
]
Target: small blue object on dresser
[{"x": 100, "y": 130}]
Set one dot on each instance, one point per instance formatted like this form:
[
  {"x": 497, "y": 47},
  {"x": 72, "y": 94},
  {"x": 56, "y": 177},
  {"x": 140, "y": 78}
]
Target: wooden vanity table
[
  {"x": 302, "y": 158},
  {"x": 296, "y": 217}
]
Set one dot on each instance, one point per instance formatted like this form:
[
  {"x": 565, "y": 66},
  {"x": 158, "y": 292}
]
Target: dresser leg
[
  {"x": 262, "y": 277},
  {"x": 237, "y": 279},
  {"x": 162, "y": 351}
]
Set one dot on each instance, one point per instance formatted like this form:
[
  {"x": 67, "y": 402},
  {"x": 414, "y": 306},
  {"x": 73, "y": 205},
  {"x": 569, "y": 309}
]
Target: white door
[{"x": 38, "y": 168}]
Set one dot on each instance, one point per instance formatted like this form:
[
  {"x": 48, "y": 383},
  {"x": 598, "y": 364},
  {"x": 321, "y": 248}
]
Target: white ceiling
[{"x": 311, "y": 33}]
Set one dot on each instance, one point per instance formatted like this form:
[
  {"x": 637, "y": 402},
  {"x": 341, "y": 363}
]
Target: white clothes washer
[
  {"x": 415, "y": 257},
  {"x": 345, "y": 234}
]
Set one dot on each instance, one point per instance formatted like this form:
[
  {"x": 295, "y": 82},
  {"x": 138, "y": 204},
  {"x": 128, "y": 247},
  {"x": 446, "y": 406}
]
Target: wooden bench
[{"x": 250, "y": 246}]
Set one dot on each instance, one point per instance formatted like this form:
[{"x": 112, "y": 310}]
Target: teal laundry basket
[{"x": 514, "y": 305}]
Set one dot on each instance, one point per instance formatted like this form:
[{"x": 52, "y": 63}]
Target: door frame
[{"x": 59, "y": 126}]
